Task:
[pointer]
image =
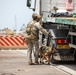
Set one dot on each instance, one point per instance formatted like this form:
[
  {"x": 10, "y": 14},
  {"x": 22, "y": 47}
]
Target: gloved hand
[{"x": 50, "y": 35}]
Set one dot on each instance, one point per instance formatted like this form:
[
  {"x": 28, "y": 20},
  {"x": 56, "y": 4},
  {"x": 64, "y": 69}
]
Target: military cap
[
  {"x": 34, "y": 15},
  {"x": 39, "y": 17}
]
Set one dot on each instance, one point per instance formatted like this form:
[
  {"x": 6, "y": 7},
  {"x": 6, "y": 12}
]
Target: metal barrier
[{"x": 12, "y": 42}]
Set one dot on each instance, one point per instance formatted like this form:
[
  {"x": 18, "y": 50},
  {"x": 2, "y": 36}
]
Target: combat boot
[
  {"x": 36, "y": 63},
  {"x": 31, "y": 63}
]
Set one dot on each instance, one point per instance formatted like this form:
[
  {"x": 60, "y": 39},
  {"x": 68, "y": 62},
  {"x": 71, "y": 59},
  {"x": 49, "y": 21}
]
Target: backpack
[
  {"x": 28, "y": 29},
  {"x": 29, "y": 36}
]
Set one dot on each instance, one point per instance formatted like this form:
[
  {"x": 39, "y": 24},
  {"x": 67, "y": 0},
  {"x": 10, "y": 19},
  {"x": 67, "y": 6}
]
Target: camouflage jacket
[{"x": 33, "y": 29}]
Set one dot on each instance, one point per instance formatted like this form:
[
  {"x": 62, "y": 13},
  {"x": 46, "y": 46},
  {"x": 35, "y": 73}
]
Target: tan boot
[
  {"x": 31, "y": 63},
  {"x": 36, "y": 63}
]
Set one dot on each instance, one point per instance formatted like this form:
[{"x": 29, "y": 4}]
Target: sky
[{"x": 14, "y": 13}]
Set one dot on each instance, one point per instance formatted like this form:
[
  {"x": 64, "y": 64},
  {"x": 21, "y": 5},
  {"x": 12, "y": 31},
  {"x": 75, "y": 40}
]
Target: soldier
[{"x": 33, "y": 29}]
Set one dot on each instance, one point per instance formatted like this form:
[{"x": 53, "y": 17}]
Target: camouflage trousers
[{"x": 33, "y": 46}]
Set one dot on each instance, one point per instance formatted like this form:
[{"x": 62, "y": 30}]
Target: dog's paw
[
  {"x": 49, "y": 63},
  {"x": 41, "y": 62}
]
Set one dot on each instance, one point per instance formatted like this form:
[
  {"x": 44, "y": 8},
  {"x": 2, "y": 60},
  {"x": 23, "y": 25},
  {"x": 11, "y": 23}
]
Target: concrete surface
[{"x": 14, "y": 62}]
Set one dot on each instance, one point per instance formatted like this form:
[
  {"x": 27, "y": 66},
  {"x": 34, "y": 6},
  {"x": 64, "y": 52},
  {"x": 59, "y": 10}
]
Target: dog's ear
[
  {"x": 41, "y": 48},
  {"x": 54, "y": 52}
]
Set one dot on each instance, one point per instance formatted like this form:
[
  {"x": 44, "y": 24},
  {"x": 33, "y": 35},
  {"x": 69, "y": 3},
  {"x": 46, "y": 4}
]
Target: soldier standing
[{"x": 33, "y": 29}]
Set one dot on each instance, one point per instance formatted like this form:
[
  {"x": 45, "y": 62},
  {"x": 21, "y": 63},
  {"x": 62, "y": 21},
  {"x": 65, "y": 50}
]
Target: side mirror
[
  {"x": 28, "y": 3},
  {"x": 31, "y": 4}
]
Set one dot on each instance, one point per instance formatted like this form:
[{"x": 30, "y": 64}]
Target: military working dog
[{"x": 46, "y": 52}]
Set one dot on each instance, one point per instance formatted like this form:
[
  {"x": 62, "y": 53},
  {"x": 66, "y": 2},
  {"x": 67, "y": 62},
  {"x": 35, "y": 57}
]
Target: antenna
[{"x": 15, "y": 29}]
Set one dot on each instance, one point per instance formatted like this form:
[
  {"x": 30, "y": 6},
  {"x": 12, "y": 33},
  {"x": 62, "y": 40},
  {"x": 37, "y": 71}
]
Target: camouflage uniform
[{"x": 34, "y": 39}]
